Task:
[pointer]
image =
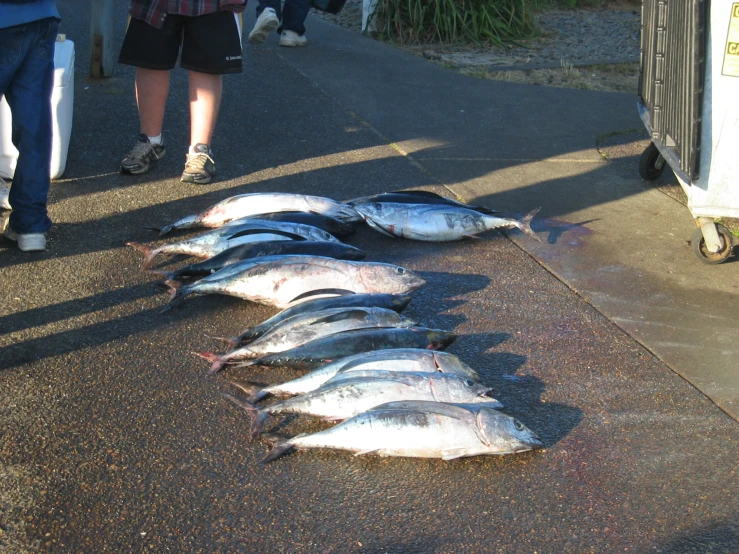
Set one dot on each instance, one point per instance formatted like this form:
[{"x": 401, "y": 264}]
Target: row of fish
[{"x": 377, "y": 371}]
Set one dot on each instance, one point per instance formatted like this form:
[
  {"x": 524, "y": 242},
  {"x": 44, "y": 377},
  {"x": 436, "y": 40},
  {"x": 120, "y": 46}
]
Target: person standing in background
[
  {"x": 28, "y": 30},
  {"x": 293, "y": 15},
  {"x": 208, "y": 33}
]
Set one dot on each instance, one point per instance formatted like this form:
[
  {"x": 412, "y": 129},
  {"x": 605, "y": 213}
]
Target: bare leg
[
  {"x": 205, "y": 101},
  {"x": 152, "y": 88}
]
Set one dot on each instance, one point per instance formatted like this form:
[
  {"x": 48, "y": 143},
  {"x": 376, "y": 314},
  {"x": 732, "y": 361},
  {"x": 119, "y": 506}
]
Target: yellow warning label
[{"x": 731, "y": 52}]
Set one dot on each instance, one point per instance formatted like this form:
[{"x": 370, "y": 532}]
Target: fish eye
[
  {"x": 518, "y": 425},
  {"x": 468, "y": 383},
  {"x": 401, "y": 270}
]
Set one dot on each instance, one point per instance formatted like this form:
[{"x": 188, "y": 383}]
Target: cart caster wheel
[
  {"x": 651, "y": 163},
  {"x": 698, "y": 244}
]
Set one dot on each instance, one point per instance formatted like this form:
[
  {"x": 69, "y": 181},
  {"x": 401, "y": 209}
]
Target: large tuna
[
  {"x": 348, "y": 397},
  {"x": 421, "y": 429},
  {"x": 436, "y": 222},
  {"x": 281, "y": 281},
  {"x": 244, "y": 205}
]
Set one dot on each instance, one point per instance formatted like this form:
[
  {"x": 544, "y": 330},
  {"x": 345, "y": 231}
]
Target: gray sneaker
[
  {"x": 29, "y": 242},
  {"x": 266, "y": 23},
  {"x": 200, "y": 166},
  {"x": 142, "y": 155}
]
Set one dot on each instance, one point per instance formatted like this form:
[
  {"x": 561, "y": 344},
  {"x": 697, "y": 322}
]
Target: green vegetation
[{"x": 465, "y": 21}]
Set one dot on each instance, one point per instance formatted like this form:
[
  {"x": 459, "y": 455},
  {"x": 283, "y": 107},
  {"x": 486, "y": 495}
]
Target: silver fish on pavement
[
  {"x": 394, "y": 302},
  {"x": 335, "y": 401},
  {"x": 339, "y": 345},
  {"x": 253, "y": 250},
  {"x": 417, "y": 197},
  {"x": 390, "y": 359},
  {"x": 420, "y": 429},
  {"x": 210, "y": 243},
  {"x": 426, "y": 222},
  {"x": 256, "y": 203},
  {"x": 282, "y": 281},
  {"x": 309, "y": 326}
]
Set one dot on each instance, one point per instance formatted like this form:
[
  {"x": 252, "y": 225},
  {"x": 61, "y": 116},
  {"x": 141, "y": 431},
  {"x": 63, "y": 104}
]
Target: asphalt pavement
[{"x": 608, "y": 338}]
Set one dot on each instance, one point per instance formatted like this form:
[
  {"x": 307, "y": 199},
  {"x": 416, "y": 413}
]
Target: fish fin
[
  {"x": 368, "y": 451},
  {"x": 154, "y": 229},
  {"x": 525, "y": 224},
  {"x": 278, "y": 449},
  {"x": 168, "y": 275},
  {"x": 216, "y": 361},
  {"x": 453, "y": 453},
  {"x": 335, "y": 292},
  {"x": 471, "y": 237},
  {"x": 176, "y": 290},
  {"x": 149, "y": 253},
  {"x": 262, "y": 231},
  {"x": 253, "y": 390},
  {"x": 341, "y": 316},
  {"x": 256, "y": 416},
  {"x": 248, "y": 363},
  {"x": 379, "y": 229}
]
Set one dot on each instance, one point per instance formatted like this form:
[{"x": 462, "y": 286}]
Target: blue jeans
[
  {"x": 27, "y": 80},
  {"x": 292, "y": 16}
]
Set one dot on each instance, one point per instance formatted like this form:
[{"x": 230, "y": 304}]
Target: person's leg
[
  {"x": 152, "y": 89},
  {"x": 292, "y": 30},
  {"x": 211, "y": 47},
  {"x": 28, "y": 92},
  {"x": 154, "y": 53},
  {"x": 205, "y": 102}
]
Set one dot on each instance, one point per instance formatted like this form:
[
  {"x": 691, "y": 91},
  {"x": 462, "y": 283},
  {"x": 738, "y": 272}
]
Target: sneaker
[
  {"x": 27, "y": 242},
  {"x": 266, "y": 23},
  {"x": 142, "y": 154},
  {"x": 200, "y": 166},
  {"x": 291, "y": 38},
  {"x": 4, "y": 194}
]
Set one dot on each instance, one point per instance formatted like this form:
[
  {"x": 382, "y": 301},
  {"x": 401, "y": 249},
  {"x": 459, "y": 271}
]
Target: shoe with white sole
[
  {"x": 291, "y": 38},
  {"x": 266, "y": 23},
  {"x": 28, "y": 242}
]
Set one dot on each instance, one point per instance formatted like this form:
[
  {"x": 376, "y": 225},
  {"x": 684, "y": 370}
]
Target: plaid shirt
[{"x": 154, "y": 12}]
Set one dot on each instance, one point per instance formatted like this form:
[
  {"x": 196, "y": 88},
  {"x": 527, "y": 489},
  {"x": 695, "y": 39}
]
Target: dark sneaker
[
  {"x": 142, "y": 155},
  {"x": 266, "y": 23},
  {"x": 28, "y": 242},
  {"x": 200, "y": 166}
]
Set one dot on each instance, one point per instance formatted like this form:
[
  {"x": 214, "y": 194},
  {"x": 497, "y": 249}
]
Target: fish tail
[
  {"x": 279, "y": 447},
  {"x": 176, "y": 290},
  {"x": 231, "y": 342},
  {"x": 151, "y": 228},
  {"x": 216, "y": 361},
  {"x": 149, "y": 253},
  {"x": 255, "y": 392},
  {"x": 256, "y": 416},
  {"x": 525, "y": 223},
  {"x": 164, "y": 230},
  {"x": 168, "y": 275}
]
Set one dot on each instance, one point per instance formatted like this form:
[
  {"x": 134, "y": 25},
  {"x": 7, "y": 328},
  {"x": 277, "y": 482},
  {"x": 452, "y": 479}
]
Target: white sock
[
  {"x": 156, "y": 140},
  {"x": 192, "y": 150}
]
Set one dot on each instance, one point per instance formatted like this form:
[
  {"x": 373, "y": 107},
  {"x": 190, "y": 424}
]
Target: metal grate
[{"x": 671, "y": 79}]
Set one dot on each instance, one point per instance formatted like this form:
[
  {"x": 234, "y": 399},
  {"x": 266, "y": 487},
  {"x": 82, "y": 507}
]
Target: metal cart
[{"x": 689, "y": 103}]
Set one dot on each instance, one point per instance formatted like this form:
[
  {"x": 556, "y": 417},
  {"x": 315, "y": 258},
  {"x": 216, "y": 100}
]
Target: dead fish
[
  {"x": 392, "y": 359},
  {"x": 394, "y": 302},
  {"x": 436, "y": 222},
  {"x": 335, "y": 401},
  {"x": 281, "y": 281},
  {"x": 244, "y": 205},
  {"x": 416, "y": 197},
  {"x": 420, "y": 429},
  {"x": 306, "y": 327},
  {"x": 327, "y": 349},
  {"x": 249, "y": 251},
  {"x": 210, "y": 243},
  {"x": 339, "y": 229}
]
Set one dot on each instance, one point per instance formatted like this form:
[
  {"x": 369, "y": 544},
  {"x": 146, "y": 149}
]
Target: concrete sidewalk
[{"x": 618, "y": 243}]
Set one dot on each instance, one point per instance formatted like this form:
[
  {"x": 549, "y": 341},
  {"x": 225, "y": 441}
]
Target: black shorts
[{"x": 210, "y": 43}]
